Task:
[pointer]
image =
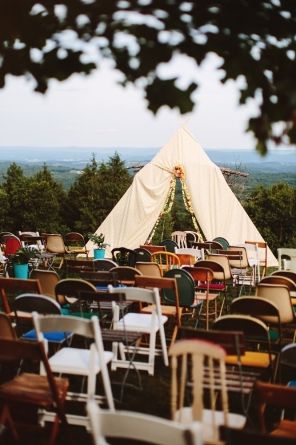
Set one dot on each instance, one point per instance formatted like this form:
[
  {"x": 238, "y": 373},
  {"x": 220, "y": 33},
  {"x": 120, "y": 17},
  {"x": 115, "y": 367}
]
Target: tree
[
  {"x": 95, "y": 192},
  {"x": 273, "y": 211},
  {"x": 255, "y": 41}
]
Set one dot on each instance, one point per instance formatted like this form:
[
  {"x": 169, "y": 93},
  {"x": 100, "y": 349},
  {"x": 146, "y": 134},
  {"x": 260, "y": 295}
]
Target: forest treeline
[{"x": 40, "y": 202}]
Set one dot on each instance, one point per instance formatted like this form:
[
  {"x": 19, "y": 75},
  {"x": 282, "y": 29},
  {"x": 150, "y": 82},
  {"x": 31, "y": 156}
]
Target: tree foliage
[
  {"x": 255, "y": 41},
  {"x": 95, "y": 193},
  {"x": 273, "y": 211}
]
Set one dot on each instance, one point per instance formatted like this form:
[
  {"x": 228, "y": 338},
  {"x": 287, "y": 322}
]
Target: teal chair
[{"x": 169, "y": 244}]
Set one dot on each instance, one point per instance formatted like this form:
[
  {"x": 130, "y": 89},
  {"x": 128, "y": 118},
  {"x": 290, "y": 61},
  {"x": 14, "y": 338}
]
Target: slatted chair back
[
  {"x": 166, "y": 260},
  {"x": 190, "y": 360}
]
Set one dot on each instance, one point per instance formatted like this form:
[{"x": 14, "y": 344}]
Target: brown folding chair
[{"x": 28, "y": 388}]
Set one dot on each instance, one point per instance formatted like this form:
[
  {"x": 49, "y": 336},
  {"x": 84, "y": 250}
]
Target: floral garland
[{"x": 178, "y": 173}]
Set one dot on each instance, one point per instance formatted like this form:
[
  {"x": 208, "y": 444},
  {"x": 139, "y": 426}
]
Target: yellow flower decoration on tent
[{"x": 179, "y": 171}]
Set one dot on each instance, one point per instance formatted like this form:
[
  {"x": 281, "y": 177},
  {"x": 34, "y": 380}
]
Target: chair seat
[
  {"x": 234, "y": 420},
  {"x": 212, "y": 286},
  {"x": 202, "y": 296},
  {"x": 286, "y": 428},
  {"x": 54, "y": 337},
  {"x": 251, "y": 358},
  {"x": 165, "y": 310},
  {"x": 76, "y": 361},
  {"x": 139, "y": 322},
  {"x": 33, "y": 389}
]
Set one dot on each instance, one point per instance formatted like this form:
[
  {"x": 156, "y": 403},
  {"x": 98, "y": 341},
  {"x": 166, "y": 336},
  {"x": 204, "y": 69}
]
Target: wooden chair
[
  {"x": 189, "y": 359},
  {"x": 136, "y": 426},
  {"x": 232, "y": 436},
  {"x": 169, "y": 308},
  {"x": 280, "y": 396},
  {"x": 123, "y": 256},
  {"x": 47, "y": 279},
  {"x": 10, "y": 287},
  {"x": 166, "y": 260},
  {"x": 153, "y": 247},
  {"x": 27, "y": 388}
]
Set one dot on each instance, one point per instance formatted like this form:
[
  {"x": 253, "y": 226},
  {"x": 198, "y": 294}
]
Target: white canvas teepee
[{"x": 215, "y": 206}]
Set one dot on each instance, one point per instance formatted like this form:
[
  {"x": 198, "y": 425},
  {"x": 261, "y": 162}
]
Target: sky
[{"x": 94, "y": 111}]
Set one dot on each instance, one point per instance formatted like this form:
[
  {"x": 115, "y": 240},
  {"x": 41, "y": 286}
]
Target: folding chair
[
  {"x": 149, "y": 324},
  {"x": 85, "y": 362},
  {"x": 27, "y": 388},
  {"x": 137, "y": 426}
]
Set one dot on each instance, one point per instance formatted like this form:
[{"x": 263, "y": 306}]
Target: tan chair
[
  {"x": 169, "y": 308},
  {"x": 150, "y": 269},
  {"x": 47, "y": 279},
  {"x": 75, "y": 243},
  {"x": 280, "y": 296},
  {"x": 284, "y": 281},
  {"x": 190, "y": 359},
  {"x": 166, "y": 260},
  {"x": 30, "y": 389}
]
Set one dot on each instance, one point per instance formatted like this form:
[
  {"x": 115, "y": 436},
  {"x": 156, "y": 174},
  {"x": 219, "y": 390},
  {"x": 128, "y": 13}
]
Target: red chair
[{"x": 12, "y": 245}]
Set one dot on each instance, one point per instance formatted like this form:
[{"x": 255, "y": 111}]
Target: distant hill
[{"x": 66, "y": 162}]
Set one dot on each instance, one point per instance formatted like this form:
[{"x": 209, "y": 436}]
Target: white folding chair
[
  {"x": 86, "y": 362},
  {"x": 149, "y": 324},
  {"x": 138, "y": 426}
]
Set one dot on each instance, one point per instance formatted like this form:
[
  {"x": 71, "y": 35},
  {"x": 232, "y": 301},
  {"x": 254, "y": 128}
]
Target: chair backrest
[
  {"x": 285, "y": 273},
  {"x": 277, "y": 279},
  {"x": 74, "y": 288},
  {"x": 166, "y": 260},
  {"x": 47, "y": 279},
  {"x": 242, "y": 262},
  {"x": 151, "y": 269},
  {"x": 74, "y": 238},
  {"x": 142, "y": 254},
  {"x": 161, "y": 283},
  {"x": 186, "y": 258},
  {"x": 223, "y": 261},
  {"x": 150, "y": 296},
  {"x": 6, "y": 327},
  {"x": 126, "y": 274},
  {"x": 153, "y": 247},
  {"x": 235, "y": 436},
  {"x": 180, "y": 238},
  {"x": 185, "y": 284},
  {"x": 262, "y": 253},
  {"x": 257, "y": 307},
  {"x": 12, "y": 244},
  {"x": 269, "y": 394},
  {"x": 223, "y": 241},
  {"x": 16, "y": 286},
  {"x": 100, "y": 277},
  {"x": 170, "y": 245},
  {"x": 136, "y": 426},
  {"x": 54, "y": 243},
  {"x": 124, "y": 256},
  {"x": 39, "y": 303},
  {"x": 104, "y": 264},
  {"x": 216, "y": 268},
  {"x": 280, "y": 296},
  {"x": 192, "y": 357}
]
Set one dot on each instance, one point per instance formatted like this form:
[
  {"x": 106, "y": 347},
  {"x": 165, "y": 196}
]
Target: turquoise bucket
[
  {"x": 99, "y": 254},
  {"x": 21, "y": 270}
]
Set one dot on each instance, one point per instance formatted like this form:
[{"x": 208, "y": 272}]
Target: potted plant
[
  {"x": 20, "y": 261},
  {"x": 98, "y": 240}
]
